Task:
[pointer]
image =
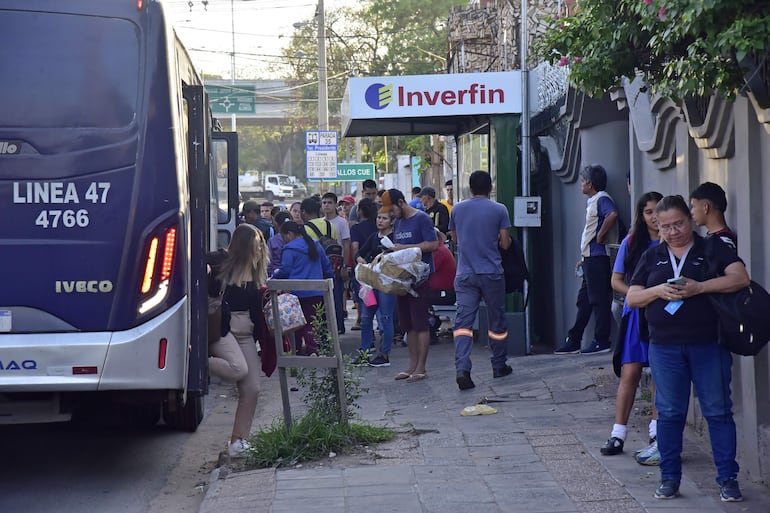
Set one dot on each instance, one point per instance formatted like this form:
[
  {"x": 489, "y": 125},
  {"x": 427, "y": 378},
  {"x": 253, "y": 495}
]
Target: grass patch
[{"x": 310, "y": 438}]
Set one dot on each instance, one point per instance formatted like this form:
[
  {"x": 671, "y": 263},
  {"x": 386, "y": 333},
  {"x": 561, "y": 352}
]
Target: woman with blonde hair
[{"x": 234, "y": 357}]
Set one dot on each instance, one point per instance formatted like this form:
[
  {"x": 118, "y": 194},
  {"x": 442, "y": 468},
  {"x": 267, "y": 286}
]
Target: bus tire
[{"x": 184, "y": 417}]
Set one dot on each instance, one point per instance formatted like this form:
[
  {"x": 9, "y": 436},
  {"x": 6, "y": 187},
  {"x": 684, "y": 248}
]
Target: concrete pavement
[{"x": 538, "y": 454}]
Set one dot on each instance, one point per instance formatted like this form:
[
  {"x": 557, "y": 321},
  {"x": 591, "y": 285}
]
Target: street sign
[
  {"x": 321, "y": 154},
  {"x": 226, "y": 99},
  {"x": 355, "y": 172}
]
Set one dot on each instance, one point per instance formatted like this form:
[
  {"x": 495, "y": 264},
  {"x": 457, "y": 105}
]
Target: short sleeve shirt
[
  {"x": 414, "y": 230},
  {"x": 696, "y": 320},
  {"x": 342, "y": 227},
  {"x": 620, "y": 260},
  {"x": 477, "y": 222}
]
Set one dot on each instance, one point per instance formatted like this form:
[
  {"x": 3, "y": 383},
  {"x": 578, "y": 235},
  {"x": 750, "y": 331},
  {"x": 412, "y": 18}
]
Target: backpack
[
  {"x": 514, "y": 267},
  {"x": 330, "y": 245},
  {"x": 744, "y": 326}
]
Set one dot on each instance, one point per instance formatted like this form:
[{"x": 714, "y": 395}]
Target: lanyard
[{"x": 678, "y": 267}]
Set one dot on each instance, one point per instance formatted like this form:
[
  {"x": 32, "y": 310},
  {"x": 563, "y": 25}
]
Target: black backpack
[
  {"x": 744, "y": 323},
  {"x": 331, "y": 247},
  {"x": 514, "y": 267}
]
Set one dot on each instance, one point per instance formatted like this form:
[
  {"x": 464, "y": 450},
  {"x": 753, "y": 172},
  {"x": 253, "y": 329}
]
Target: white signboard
[
  {"x": 321, "y": 154},
  {"x": 434, "y": 95}
]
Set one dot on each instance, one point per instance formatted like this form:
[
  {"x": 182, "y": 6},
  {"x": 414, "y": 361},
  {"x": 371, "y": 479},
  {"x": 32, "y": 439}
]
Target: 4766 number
[{"x": 65, "y": 218}]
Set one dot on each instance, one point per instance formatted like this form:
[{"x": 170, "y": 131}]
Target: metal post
[
  {"x": 525, "y": 151},
  {"x": 323, "y": 96},
  {"x": 232, "y": 59}
]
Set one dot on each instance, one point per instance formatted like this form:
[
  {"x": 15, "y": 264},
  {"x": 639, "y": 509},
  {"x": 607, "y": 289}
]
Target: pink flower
[
  {"x": 647, "y": 2},
  {"x": 564, "y": 61},
  {"x": 662, "y": 13},
  {"x": 577, "y": 59}
]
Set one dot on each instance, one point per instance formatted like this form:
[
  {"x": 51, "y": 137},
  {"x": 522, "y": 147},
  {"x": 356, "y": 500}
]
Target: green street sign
[
  {"x": 232, "y": 99},
  {"x": 355, "y": 172}
]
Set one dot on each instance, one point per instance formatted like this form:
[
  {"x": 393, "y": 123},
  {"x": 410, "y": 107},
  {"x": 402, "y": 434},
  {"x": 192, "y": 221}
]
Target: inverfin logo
[{"x": 379, "y": 96}]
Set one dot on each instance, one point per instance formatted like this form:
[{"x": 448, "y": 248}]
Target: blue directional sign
[{"x": 321, "y": 154}]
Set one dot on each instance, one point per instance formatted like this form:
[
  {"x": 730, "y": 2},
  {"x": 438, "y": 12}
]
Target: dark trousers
[
  {"x": 339, "y": 293},
  {"x": 594, "y": 296}
]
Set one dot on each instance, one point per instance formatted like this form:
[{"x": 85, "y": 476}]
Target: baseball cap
[
  {"x": 250, "y": 205},
  {"x": 348, "y": 199},
  {"x": 428, "y": 191}
]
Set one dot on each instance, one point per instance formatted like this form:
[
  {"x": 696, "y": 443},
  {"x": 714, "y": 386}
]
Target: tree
[
  {"x": 679, "y": 47},
  {"x": 378, "y": 37}
]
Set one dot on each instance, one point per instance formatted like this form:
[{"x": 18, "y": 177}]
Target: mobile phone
[{"x": 675, "y": 281}]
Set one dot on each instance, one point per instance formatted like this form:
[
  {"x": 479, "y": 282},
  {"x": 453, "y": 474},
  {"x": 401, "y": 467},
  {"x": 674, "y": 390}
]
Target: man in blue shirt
[
  {"x": 479, "y": 225},
  {"x": 413, "y": 229},
  {"x": 595, "y": 295}
]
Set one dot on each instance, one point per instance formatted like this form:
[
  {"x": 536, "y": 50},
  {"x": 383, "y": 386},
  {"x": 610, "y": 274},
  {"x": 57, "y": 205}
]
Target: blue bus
[{"x": 114, "y": 185}]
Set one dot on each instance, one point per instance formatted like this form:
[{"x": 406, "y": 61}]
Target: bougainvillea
[{"x": 679, "y": 47}]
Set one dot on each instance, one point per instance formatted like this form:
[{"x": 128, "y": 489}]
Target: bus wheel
[{"x": 184, "y": 417}]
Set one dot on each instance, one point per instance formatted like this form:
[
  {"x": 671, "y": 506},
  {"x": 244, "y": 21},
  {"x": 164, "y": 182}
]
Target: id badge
[{"x": 673, "y": 306}]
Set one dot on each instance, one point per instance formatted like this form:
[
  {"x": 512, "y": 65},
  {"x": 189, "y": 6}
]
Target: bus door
[{"x": 224, "y": 180}]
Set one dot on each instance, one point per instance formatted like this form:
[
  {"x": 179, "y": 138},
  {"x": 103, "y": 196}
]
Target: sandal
[
  {"x": 403, "y": 375},
  {"x": 417, "y": 376}
]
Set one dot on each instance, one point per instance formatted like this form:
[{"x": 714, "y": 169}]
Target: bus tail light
[{"x": 158, "y": 268}]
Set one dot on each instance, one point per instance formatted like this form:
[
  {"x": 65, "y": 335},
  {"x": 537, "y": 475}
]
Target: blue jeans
[
  {"x": 470, "y": 290},
  {"x": 385, "y": 307},
  {"x": 709, "y": 367}
]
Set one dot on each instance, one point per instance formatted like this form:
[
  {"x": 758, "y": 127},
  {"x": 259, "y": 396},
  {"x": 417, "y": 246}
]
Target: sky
[{"x": 261, "y": 27}]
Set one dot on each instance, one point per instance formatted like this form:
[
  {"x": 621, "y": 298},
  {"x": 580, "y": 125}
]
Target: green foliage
[
  {"x": 377, "y": 37},
  {"x": 320, "y": 430},
  {"x": 679, "y": 47},
  {"x": 311, "y": 437},
  {"x": 320, "y": 385}
]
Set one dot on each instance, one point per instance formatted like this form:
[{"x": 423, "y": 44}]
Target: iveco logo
[
  {"x": 379, "y": 96},
  {"x": 92, "y": 286},
  {"x": 9, "y": 147}
]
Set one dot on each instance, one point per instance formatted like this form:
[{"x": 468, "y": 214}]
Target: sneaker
[
  {"x": 650, "y": 455},
  {"x": 729, "y": 491},
  {"x": 381, "y": 360},
  {"x": 238, "y": 449},
  {"x": 613, "y": 446},
  {"x": 596, "y": 348},
  {"x": 667, "y": 489},
  {"x": 652, "y": 441},
  {"x": 569, "y": 347}
]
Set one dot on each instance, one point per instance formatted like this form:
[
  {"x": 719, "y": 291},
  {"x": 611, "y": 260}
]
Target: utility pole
[
  {"x": 323, "y": 95},
  {"x": 232, "y": 60}
]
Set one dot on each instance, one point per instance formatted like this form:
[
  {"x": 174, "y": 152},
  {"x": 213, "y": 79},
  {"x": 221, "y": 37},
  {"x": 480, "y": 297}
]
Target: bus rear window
[{"x": 67, "y": 71}]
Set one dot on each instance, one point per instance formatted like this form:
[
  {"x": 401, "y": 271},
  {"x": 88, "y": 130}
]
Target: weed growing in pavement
[
  {"x": 310, "y": 438},
  {"x": 320, "y": 385},
  {"x": 321, "y": 430}
]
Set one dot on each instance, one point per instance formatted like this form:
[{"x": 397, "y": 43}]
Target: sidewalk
[{"x": 538, "y": 454}]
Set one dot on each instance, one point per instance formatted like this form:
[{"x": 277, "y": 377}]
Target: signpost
[
  {"x": 226, "y": 99},
  {"x": 321, "y": 154},
  {"x": 355, "y": 172}
]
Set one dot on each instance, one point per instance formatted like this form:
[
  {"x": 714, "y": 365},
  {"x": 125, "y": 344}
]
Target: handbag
[{"x": 289, "y": 313}]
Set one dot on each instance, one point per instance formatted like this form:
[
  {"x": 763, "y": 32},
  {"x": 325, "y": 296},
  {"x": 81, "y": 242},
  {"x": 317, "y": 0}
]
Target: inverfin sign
[{"x": 432, "y": 96}]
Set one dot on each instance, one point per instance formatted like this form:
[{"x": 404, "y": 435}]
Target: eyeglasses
[{"x": 677, "y": 226}]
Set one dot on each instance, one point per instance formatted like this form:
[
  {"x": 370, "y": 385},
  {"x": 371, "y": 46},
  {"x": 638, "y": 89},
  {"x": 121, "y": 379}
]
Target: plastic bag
[{"x": 479, "y": 409}]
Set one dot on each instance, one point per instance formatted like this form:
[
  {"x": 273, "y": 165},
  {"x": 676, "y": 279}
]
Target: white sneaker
[{"x": 238, "y": 448}]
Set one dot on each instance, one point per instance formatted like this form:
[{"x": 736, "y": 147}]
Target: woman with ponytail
[
  {"x": 303, "y": 259},
  {"x": 633, "y": 342}
]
